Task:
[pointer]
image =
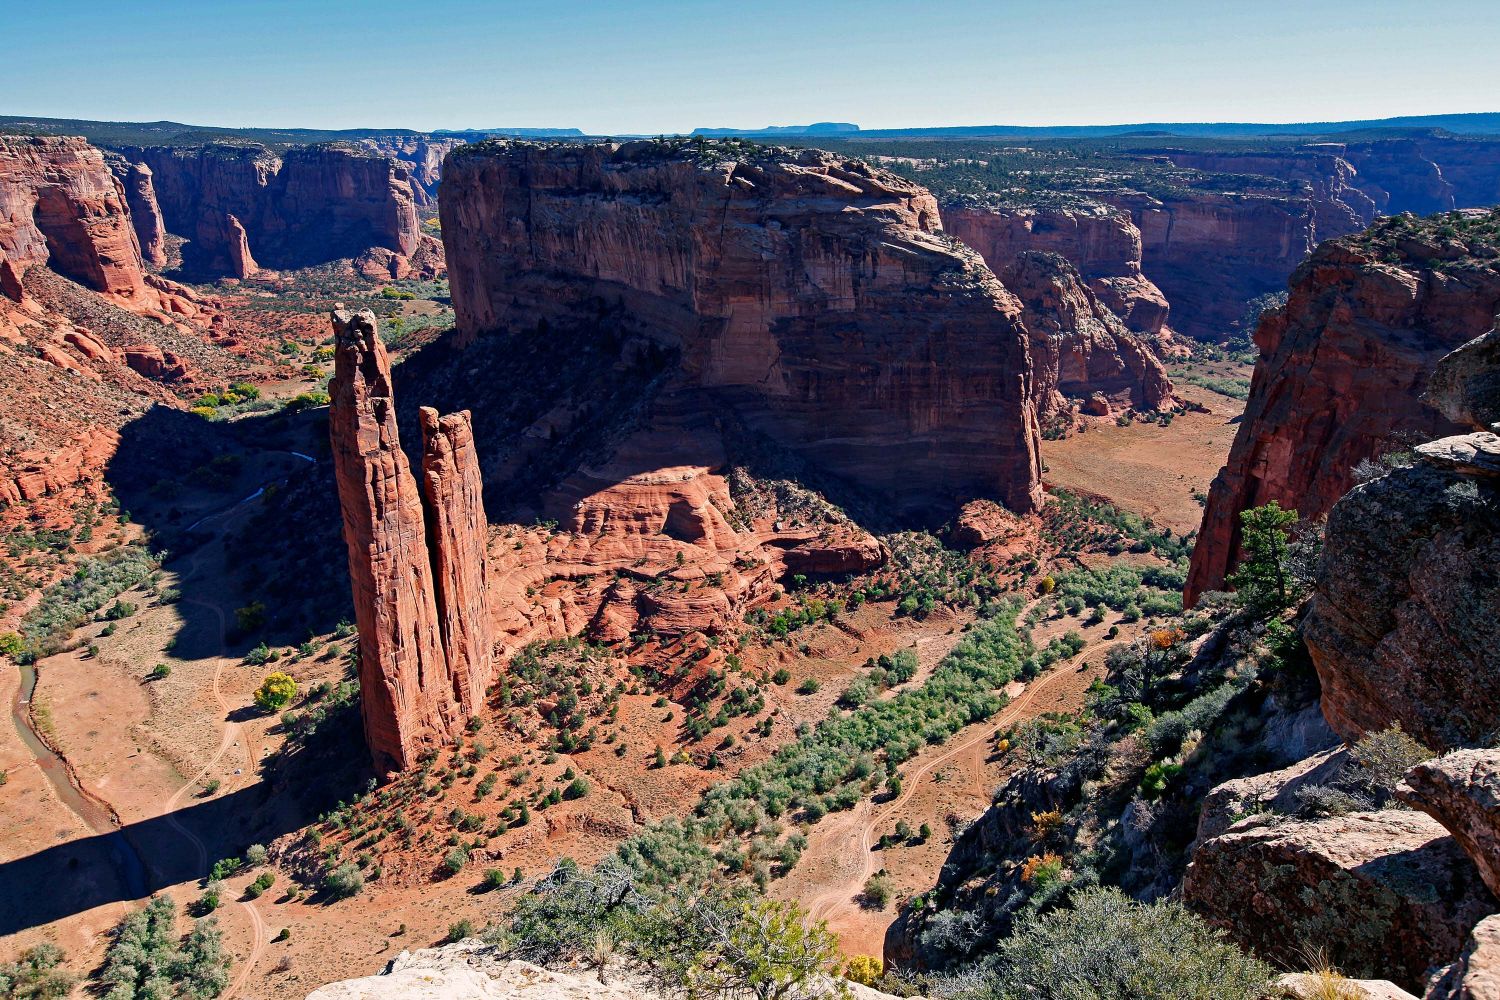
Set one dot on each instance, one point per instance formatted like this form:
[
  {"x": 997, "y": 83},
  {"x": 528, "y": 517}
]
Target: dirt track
[{"x": 841, "y": 855}]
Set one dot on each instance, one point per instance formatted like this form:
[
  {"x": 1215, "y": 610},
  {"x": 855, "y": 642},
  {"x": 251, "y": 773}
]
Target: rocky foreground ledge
[{"x": 470, "y": 970}]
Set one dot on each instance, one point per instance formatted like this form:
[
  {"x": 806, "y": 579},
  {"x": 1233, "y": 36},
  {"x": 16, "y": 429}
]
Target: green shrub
[
  {"x": 148, "y": 960},
  {"x": 344, "y": 880},
  {"x": 35, "y": 975},
  {"x": 1109, "y": 947}
]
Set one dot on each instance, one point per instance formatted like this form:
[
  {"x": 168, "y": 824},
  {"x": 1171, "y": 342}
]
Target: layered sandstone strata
[
  {"x": 422, "y": 155},
  {"x": 816, "y": 296},
  {"x": 301, "y": 207},
  {"x": 458, "y": 532},
  {"x": 1211, "y": 252},
  {"x": 62, "y": 207},
  {"x": 1080, "y": 351},
  {"x": 419, "y": 599},
  {"x": 1341, "y": 374},
  {"x": 1102, "y": 243},
  {"x": 145, "y": 214}
]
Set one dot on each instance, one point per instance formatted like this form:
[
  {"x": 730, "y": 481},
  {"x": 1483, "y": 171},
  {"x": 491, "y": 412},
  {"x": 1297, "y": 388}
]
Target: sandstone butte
[
  {"x": 245, "y": 208},
  {"x": 425, "y": 649},
  {"x": 109, "y": 346},
  {"x": 1079, "y": 348},
  {"x": 1341, "y": 373},
  {"x": 1102, "y": 243},
  {"x": 817, "y": 297}
]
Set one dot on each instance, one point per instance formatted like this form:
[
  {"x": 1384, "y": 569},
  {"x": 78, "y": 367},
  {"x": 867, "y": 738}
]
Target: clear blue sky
[{"x": 671, "y": 65}]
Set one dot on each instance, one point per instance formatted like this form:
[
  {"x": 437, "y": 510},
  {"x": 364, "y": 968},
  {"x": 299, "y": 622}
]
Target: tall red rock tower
[
  {"x": 425, "y": 654},
  {"x": 456, "y": 533}
]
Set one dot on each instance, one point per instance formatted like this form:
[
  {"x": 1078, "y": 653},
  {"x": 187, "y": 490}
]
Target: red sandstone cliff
[
  {"x": 423, "y": 156},
  {"x": 305, "y": 206},
  {"x": 816, "y": 296},
  {"x": 145, "y": 214},
  {"x": 1342, "y": 369},
  {"x": 458, "y": 533},
  {"x": 1102, "y": 243},
  {"x": 417, "y": 565},
  {"x": 60, "y": 206},
  {"x": 1081, "y": 352}
]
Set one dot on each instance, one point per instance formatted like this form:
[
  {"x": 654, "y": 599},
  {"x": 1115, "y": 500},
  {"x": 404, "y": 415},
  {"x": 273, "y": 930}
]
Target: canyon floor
[{"x": 149, "y": 781}]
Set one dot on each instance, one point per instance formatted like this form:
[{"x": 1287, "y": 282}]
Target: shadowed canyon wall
[
  {"x": 816, "y": 295},
  {"x": 239, "y": 205}
]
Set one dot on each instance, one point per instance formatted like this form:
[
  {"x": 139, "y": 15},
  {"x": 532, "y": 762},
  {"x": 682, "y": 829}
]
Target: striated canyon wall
[
  {"x": 417, "y": 568},
  {"x": 817, "y": 296},
  {"x": 1342, "y": 369},
  {"x": 1079, "y": 349},
  {"x": 60, "y": 206},
  {"x": 244, "y": 207},
  {"x": 423, "y": 157},
  {"x": 1102, "y": 243}
]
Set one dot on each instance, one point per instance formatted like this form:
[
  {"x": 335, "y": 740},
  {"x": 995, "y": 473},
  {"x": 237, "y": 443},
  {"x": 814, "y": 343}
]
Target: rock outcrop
[
  {"x": 1461, "y": 790},
  {"x": 1080, "y": 351},
  {"x": 1476, "y": 974},
  {"x": 61, "y": 206},
  {"x": 458, "y": 533},
  {"x": 412, "y": 599},
  {"x": 468, "y": 970},
  {"x": 1402, "y": 627},
  {"x": 1342, "y": 369},
  {"x": 1102, "y": 243},
  {"x": 816, "y": 296},
  {"x": 145, "y": 214},
  {"x": 1386, "y": 894},
  {"x": 305, "y": 206}
]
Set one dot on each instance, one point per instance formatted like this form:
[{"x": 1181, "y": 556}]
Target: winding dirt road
[{"x": 850, "y": 836}]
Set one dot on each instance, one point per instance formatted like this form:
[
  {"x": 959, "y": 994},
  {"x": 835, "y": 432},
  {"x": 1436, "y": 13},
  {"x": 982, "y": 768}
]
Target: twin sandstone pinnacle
[{"x": 416, "y": 560}]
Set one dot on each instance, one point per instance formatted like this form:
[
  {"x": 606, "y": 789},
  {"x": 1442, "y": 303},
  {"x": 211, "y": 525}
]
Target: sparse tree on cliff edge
[{"x": 1263, "y": 579}]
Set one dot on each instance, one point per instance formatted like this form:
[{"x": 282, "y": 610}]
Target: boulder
[
  {"x": 1382, "y": 894},
  {"x": 1466, "y": 386},
  {"x": 1312, "y": 986},
  {"x": 1461, "y": 790},
  {"x": 1476, "y": 973}
]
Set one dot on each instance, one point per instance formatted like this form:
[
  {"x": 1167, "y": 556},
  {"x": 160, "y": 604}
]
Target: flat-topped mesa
[
  {"x": 816, "y": 297},
  {"x": 418, "y": 570},
  {"x": 62, "y": 207},
  {"x": 1343, "y": 366},
  {"x": 457, "y": 533}
]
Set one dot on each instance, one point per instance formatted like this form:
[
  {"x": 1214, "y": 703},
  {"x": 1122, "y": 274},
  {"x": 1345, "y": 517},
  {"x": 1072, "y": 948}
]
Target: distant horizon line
[{"x": 828, "y": 128}]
